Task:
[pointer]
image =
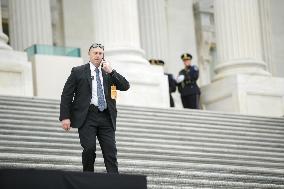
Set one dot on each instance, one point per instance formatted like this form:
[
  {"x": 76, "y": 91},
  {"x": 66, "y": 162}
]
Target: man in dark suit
[
  {"x": 187, "y": 85},
  {"x": 88, "y": 103}
]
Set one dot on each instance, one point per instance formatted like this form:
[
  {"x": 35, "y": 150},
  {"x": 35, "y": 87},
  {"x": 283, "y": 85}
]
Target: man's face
[
  {"x": 187, "y": 62},
  {"x": 96, "y": 56}
]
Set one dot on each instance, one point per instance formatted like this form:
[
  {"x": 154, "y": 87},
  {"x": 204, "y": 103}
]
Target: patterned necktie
[{"x": 100, "y": 92}]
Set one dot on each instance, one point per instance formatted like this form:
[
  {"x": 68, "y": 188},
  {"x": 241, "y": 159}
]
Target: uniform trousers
[{"x": 190, "y": 101}]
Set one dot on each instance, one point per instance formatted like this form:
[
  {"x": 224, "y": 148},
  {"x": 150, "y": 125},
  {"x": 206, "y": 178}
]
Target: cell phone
[{"x": 103, "y": 61}]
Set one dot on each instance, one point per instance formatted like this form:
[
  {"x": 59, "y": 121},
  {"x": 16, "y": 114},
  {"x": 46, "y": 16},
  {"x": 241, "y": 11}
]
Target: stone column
[
  {"x": 205, "y": 39},
  {"x": 238, "y": 38},
  {"x": 29, "y": 23},
  {"x": 265, "y": 23},
  {"x": 242, "y": 84},
  {"x": 3, "y": 37},
  {"x": 153, "y": 27},
  {"x": 116, "y": 25}
]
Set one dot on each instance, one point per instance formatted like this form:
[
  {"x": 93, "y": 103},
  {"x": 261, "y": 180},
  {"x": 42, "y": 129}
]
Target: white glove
[{"x": 180, "y": 78}]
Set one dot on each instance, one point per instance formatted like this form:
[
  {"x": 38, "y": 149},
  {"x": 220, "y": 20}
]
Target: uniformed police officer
[
  {"x": 187, "y": 85},
  {"x": 171, "y": 80}
]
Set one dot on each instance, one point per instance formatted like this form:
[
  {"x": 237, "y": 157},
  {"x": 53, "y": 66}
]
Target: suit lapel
[
  {"x": 88, "y": 75},
  {"x": 105, "y": 81}
]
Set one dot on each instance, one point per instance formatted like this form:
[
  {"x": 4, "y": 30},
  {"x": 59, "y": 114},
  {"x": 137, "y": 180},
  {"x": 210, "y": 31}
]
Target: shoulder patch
[{"x": 195, "y": 68}]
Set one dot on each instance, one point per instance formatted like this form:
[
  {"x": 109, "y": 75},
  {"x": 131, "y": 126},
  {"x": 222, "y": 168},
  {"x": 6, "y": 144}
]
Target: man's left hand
[{"x": 106, "y": 67}]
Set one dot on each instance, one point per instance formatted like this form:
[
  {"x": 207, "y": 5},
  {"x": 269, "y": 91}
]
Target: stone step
[
  {"x": 122, "y": 131},
  {"x": 128, "y": 148},
  {"x": 125, "y": 126},
  {"x": 17, "y": 114},
  {"x": 194, "y": 136},
  {"x": 28, "y": 99},
  {"x": 33, "y": 101},
  {"x": 155, "y": 182},
  {"x": 215, "y": 184},
  {"x": 145, "y": 128},
  {"x": 179, "y": 134},
  {"x": 192, "y": 157},
  {"x": 174, "y": 182},
  {"x": 129, "y": 119},
  {"x": 200, "y": 158},
  {"x": 141, "y": 164},
  {"x": 153, "y": 172},
  {"x": 57, "y": 124},
  {"x": 159, "y": 186},
  {"x": 175, "y": 148},
  {"x": 168, "y": 127},
  {"x": 171, "y": 116},
  {"x": 134, "y": 137},
  {"x": 147, "y": 143}
]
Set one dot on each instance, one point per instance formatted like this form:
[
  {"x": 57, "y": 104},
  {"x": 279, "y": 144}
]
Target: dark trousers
[
  {"x": 172, "y": 103},
  {"x": 98, "y": 124},
  {"x": 190, "y": 101}
]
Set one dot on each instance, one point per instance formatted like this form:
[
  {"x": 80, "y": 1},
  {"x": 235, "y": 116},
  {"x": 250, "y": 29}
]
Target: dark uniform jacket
[
  {"x": 189, "y": 86},
  {"x": 77, "y": 94},
  {"x": 172, "y": 83}
]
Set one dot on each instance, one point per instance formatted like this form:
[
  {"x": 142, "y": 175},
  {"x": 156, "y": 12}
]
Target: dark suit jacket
[
  {"x": 189, "y": 85},
  {"x": 77, "y": 94}
]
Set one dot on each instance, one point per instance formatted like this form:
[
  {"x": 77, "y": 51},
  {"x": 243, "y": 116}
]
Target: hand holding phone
[{"x": 106, "y": 66}]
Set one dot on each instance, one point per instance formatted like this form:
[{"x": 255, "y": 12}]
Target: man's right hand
[{"x": 66, "y": 124}]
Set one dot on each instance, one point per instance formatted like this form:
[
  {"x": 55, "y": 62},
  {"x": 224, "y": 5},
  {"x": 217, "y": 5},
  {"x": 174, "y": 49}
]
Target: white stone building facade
[{"x": 237, "y": 44}]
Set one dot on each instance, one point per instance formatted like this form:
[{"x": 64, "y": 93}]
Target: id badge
[{"x": 113, "y": 92}]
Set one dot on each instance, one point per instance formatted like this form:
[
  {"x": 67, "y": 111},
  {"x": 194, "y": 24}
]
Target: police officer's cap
[
  {"x": 186, "y": 56},
  {"x": 156, "y": 62},
  {"x": 153, "y": 61},
  {"x": 161, "y": 62}
]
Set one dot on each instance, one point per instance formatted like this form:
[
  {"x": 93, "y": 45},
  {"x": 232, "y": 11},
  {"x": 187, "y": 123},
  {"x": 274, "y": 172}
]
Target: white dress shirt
[{"x": 94, "y": 99}]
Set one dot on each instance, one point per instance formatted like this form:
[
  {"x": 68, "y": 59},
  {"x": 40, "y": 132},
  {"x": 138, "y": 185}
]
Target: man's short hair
[{"x": 96, "y": 45}]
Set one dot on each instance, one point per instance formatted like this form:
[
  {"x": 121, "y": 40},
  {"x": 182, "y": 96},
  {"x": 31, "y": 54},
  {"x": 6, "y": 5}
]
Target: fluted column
[
  {"x": 238, "y": 38},
  {"x": 3, "y": 37},
  {"x": 265, "y": 22},
  {"x": 29, "y": 23},
  {"x": 153, "y": 27},
  {"x": 116, "y": 23}
]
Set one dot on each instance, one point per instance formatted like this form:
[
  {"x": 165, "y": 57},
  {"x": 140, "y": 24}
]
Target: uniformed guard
[
  {"x": 171, "y": 80},
  {"x": 187, "y": 85},
  {"x": 172, "y": 84}
]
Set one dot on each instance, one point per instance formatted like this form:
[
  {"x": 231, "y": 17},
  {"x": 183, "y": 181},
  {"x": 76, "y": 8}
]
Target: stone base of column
[
  {"x": 50, "y": 74},
  {"x": 3, "y": 42},
  {"x": 240, "y": 67},
  {"x": 15, "y": 74},
  {"x": 148, "y": 84},
  {"x": 245, "y": 94}
]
